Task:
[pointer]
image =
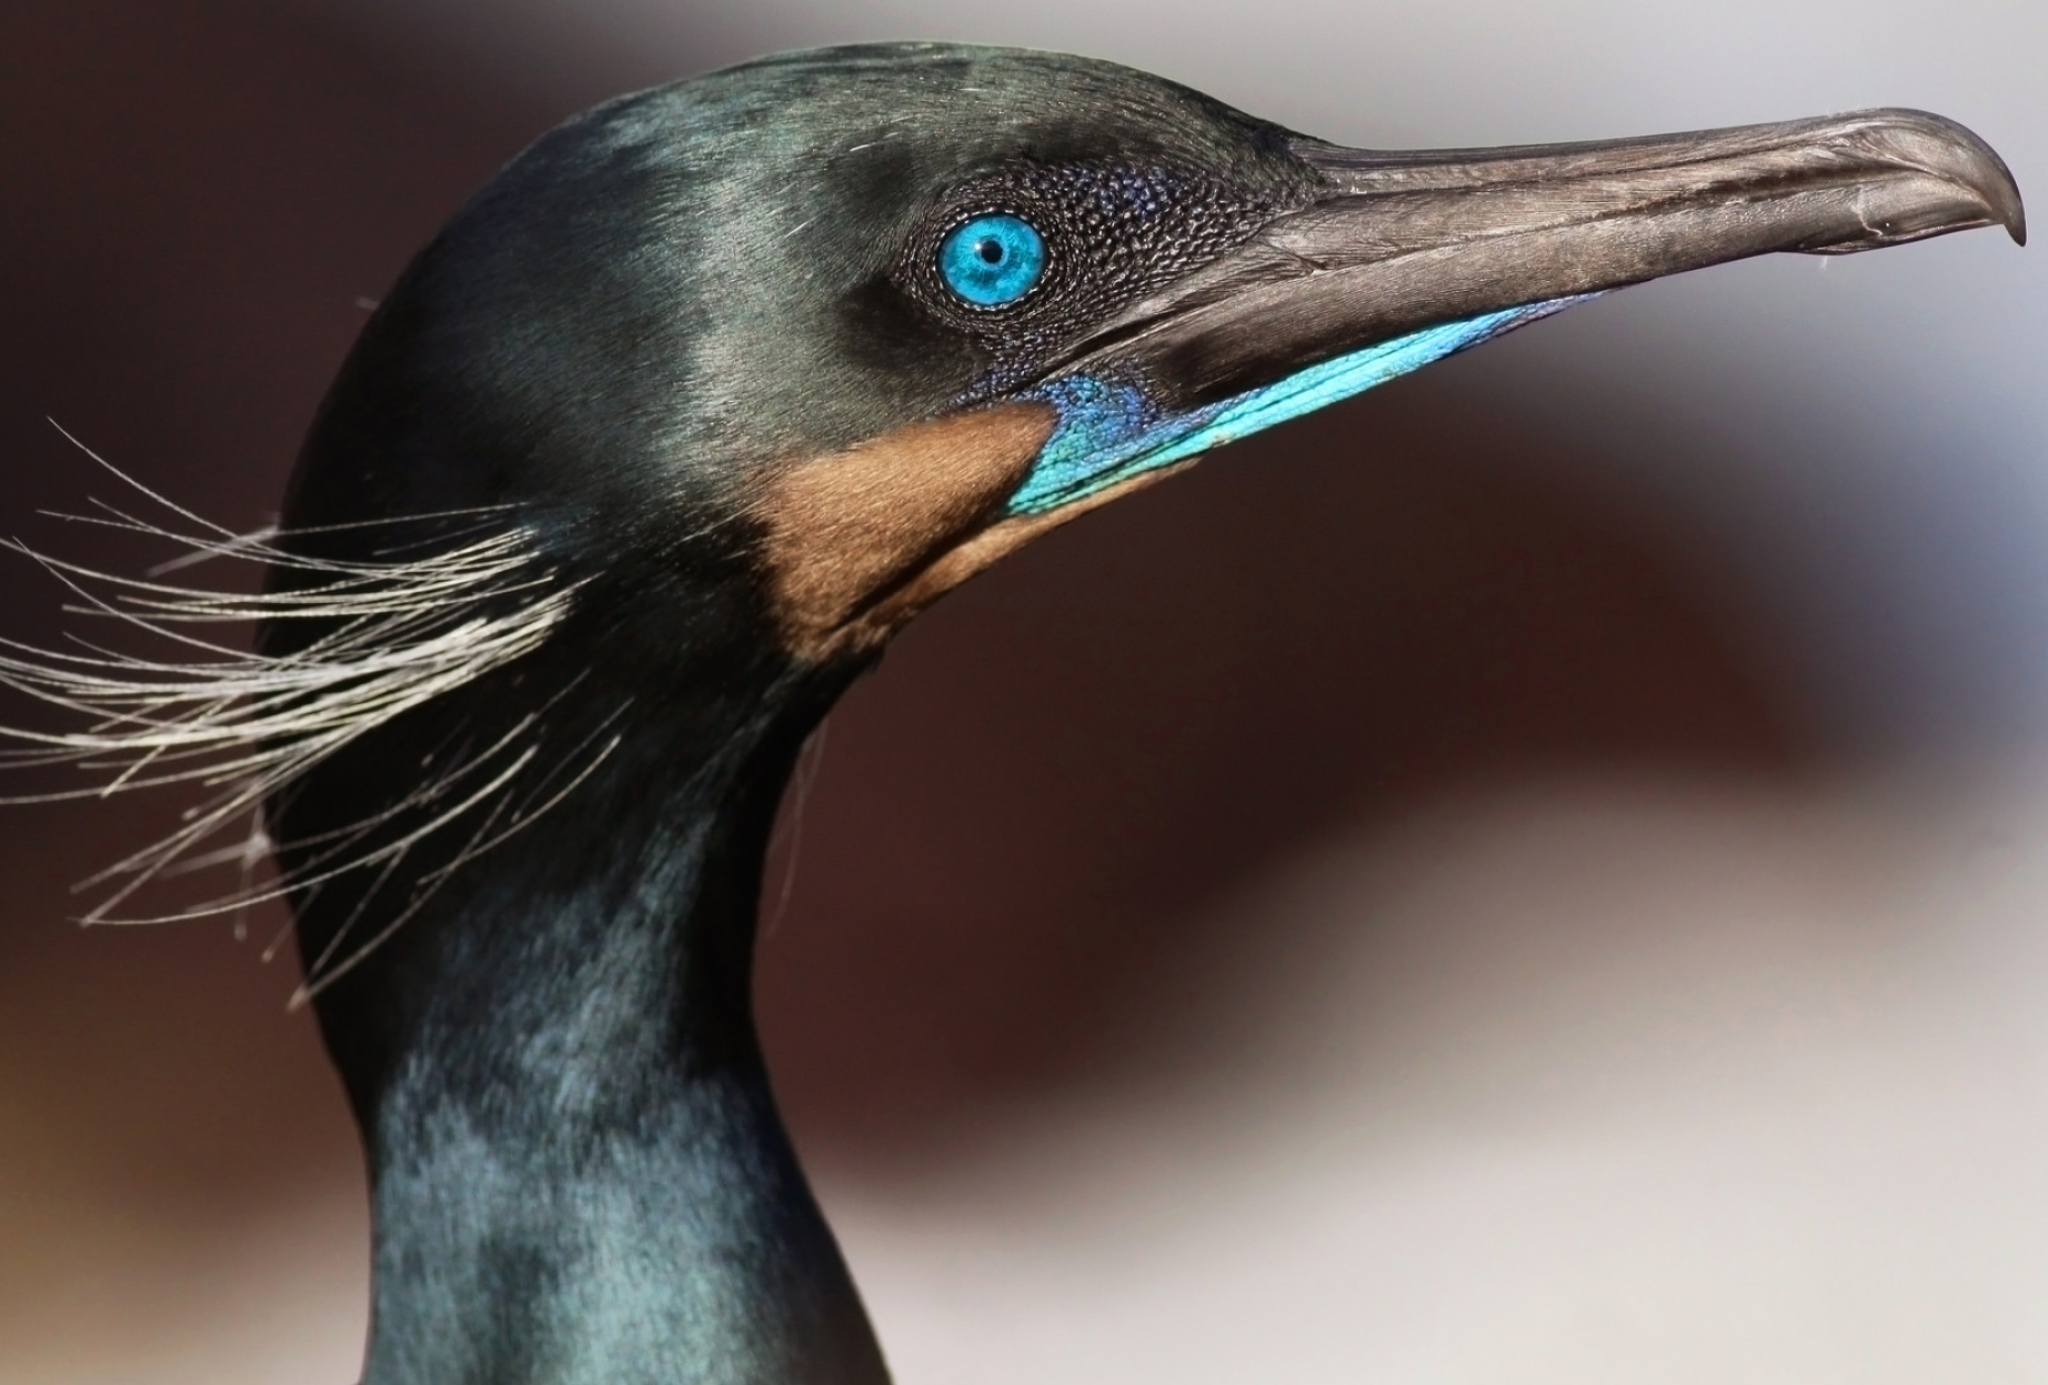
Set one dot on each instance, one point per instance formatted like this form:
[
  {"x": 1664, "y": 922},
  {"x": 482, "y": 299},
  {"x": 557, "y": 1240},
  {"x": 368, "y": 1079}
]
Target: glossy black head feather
[{"x": 684, "y": 284}]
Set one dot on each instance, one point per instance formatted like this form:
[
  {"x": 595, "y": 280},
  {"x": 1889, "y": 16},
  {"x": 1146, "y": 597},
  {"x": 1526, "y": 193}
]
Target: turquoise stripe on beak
[{"x": 1108, "y": 432}]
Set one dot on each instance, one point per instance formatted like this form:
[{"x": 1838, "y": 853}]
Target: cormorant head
[
  {"x": 715, "y": 386},
  {"x": 775, "y": 356}
]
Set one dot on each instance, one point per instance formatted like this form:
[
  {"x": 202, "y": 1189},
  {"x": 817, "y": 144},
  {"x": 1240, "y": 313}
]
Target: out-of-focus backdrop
[{"x": 1539, "y": 873}]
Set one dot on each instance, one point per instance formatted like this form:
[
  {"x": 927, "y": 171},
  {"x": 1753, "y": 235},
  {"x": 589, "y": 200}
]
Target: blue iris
[{"x": 992, "y": 260}]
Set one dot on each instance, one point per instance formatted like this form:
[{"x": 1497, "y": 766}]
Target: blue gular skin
[{"x": 1109, "y": 432}]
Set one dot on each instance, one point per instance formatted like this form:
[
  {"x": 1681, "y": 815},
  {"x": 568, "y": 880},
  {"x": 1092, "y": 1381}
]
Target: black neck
[{"x": 579, "y": 1173}]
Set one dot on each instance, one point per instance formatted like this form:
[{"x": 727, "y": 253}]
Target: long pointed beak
[{"x": 1406, "y": 241}]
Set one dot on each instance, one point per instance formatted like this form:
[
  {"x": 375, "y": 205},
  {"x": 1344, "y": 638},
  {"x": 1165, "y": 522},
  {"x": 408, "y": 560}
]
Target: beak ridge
[
  {"x": 1399, "y": 242},
  {"x": 1855, "y": 151}
]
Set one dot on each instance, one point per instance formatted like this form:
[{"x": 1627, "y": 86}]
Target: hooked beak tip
[{"x": 1956, "y": 152}]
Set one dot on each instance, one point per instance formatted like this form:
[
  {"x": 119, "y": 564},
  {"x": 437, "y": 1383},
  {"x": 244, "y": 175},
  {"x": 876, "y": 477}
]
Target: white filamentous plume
[{"x": 244, "y": 725}]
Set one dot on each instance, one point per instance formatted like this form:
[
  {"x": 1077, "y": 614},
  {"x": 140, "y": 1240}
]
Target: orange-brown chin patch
[{"x": 860, "y": 541}]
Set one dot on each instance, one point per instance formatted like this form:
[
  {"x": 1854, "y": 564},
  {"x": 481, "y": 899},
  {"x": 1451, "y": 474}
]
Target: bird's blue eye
[{"x": 992, "y": 260}]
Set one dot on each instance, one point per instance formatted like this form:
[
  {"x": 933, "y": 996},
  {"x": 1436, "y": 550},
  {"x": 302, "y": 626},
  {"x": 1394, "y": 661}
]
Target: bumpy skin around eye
[
  {"x": 992, "y": 260},
  {"x": 1113, "y": 230}
]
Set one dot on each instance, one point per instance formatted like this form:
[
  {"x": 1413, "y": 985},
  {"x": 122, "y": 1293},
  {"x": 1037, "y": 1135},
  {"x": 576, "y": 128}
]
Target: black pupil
[{"x": 990, "y": 250}]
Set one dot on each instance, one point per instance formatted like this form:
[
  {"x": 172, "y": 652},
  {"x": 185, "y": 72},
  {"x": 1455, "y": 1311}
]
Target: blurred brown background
[{"x": 1533, "y": 874}]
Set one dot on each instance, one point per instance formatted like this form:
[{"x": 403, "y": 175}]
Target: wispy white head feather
[{"x": 200, "y": 710}]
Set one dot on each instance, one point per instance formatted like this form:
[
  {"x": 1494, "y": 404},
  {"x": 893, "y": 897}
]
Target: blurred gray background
[{"x": 1539, "y": 873}]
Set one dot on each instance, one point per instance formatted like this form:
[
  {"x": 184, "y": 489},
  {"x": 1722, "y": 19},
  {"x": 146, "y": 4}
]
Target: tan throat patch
[{"x": 859, "y": 541}]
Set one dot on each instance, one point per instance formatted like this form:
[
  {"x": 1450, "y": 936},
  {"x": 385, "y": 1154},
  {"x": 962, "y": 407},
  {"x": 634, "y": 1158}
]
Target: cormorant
[{"x": 643, "y": 460}]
